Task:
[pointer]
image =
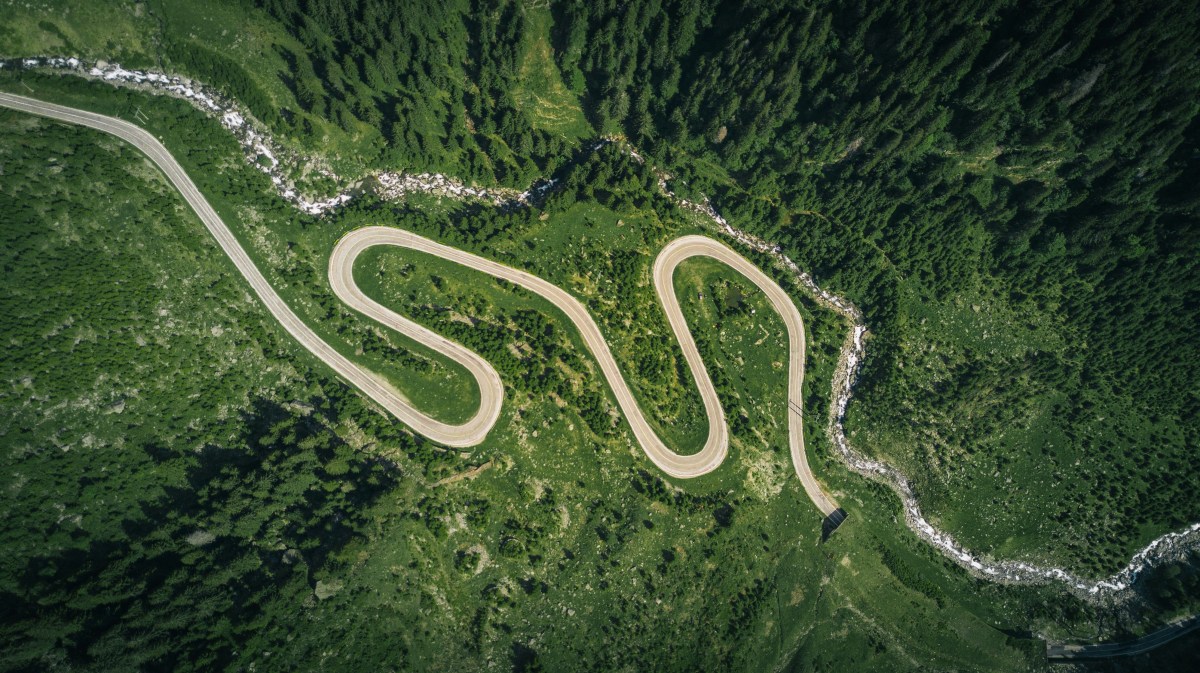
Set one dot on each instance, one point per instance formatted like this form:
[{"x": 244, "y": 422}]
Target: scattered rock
[
  {"x": 200, "y": 538},
  {"x": 328, "y": 589}
]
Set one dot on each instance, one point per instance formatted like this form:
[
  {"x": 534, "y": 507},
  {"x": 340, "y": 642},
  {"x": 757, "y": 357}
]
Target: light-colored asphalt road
[
  {"x": 1146, "y": 643},
  {"x": 468, "y": 434},
  {"x": 491, "y": 389}
]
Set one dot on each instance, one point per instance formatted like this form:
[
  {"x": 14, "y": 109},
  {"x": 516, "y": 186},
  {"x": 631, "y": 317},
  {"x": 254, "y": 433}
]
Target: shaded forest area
[{"x": 188, "y": 580}]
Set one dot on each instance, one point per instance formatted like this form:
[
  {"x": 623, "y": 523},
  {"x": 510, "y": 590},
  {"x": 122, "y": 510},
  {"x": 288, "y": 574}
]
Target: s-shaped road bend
[{"x": 491, "y": 389}]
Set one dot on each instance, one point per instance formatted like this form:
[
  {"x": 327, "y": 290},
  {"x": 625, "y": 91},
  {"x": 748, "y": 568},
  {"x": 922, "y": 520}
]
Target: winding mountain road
[{"x": 491, "y": 388}]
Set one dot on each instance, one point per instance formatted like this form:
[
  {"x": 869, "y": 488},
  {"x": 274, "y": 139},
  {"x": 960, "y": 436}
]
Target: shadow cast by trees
[{"x": 242, "y": 522}]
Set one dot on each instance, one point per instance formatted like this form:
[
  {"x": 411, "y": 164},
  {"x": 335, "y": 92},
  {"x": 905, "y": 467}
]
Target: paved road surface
[
  {"x": 341, "y": 265},
  {"x": 469, "y": 434},
  {"x": 1140, "y": 646},
  {"x": 491, "y": 389}
]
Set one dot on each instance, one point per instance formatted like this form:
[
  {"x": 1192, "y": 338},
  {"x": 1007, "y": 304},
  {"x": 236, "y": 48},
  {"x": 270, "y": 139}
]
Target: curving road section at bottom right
[{"x": 1148, "y": 642}]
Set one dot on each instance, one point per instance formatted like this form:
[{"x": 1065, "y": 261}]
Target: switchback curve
[
  {"x": 711, "y": 455},
  {"x": 476, "y": 429}
]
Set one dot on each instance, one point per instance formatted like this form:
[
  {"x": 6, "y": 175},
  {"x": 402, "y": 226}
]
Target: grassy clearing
[
  {"x": 434, "y": 384},
  {"x": 123, "y": 32},
  {"x": 541, "y": 92},
  {"x": 1034, "y": 163}
]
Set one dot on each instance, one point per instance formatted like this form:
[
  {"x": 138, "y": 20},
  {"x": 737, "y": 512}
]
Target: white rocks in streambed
[
  {"x": 117, "y": 72},
  {"x": 264, "y": 151},
  {"x": 233, "y": 120}
]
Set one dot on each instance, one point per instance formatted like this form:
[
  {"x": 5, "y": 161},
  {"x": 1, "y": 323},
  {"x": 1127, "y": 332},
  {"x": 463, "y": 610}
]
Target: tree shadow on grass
[{"x": 206, "y": 554}]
